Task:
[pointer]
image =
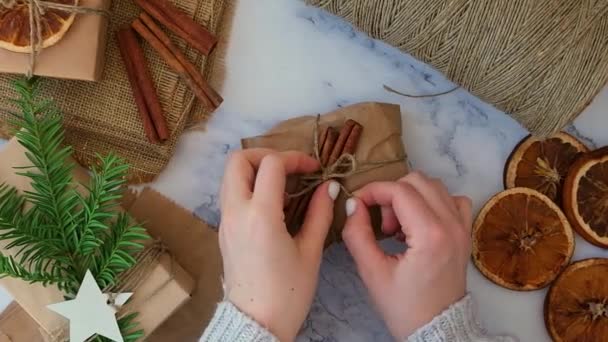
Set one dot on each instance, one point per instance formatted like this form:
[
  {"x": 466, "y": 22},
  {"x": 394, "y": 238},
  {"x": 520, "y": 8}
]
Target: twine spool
[{"x": 541, "y": 61}]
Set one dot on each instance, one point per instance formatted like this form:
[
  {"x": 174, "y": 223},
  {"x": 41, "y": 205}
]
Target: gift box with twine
[
  {"x": 101, "y": 117},
  {"x": 540, "y": 61},
  {"x": 194, "y": 245},
  {"x": 159, "y": 283},
  {"x": 380, "y": 154}
]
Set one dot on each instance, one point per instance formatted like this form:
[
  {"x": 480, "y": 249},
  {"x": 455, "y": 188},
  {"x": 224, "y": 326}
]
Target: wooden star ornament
[{"x": 90, "y": 313}]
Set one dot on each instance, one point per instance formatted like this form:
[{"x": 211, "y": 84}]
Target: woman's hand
[
  {"x": 269, "y": 275},
  {"x": 412, "y": 288}
]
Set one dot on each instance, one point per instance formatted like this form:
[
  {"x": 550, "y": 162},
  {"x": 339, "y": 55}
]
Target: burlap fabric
[
  {"x": 541, "y": 61},
  {"x": 102, "y": 117}
]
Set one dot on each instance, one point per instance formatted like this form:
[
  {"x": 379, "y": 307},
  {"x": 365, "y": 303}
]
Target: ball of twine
[{"x": 541, "y": 61}]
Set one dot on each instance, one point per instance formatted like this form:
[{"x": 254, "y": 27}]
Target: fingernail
[
  {"x": 351, "y": 206},
  {"x": 334, "y": 190}
]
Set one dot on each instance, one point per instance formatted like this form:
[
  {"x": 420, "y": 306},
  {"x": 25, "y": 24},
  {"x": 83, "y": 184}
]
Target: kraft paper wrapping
[
  {"x": 166, "y": 288},
  {"x": 195, "y": 246},
  {"x": 380, "y": 141},
  {"x": 79, "y": 55}
]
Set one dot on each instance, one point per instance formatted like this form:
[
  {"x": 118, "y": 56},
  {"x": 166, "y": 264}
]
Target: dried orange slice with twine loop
[
  {"x": 576, "y": 307},
  {"x": 542, "y": 165},
  {"x": 585, "y": 198},
  {"x": 521, "y": 240},
  {"x": 18, "y": 19}
]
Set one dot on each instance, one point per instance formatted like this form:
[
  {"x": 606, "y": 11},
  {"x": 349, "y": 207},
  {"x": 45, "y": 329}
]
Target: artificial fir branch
[{"x": 58, "y": 233}]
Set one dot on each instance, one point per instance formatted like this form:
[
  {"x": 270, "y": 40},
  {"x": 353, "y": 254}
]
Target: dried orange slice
[
  {"x": 576, "y": 307},
  {"x": 585, "y": 199},
  {"x": 15, "y": 25},
  {"x": 521, "y": 240},
  {"x": 542, "y": 164}
]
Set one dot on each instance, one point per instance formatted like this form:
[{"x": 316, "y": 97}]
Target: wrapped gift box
[
  {"x": 79, "y": 55},
  {"x": 160, "y": 293}
]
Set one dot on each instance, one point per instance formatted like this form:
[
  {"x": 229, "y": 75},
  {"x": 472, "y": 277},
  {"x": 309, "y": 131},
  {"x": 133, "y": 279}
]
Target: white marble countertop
[{"x": 286, "y": 59}]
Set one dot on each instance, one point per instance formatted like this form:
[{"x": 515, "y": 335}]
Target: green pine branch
[
  {"x": 99, "y": 206},
  {"x": 55, "y": 234},
  {"x": 124, "y": 240},
  {"x": 10, "y": 268}
]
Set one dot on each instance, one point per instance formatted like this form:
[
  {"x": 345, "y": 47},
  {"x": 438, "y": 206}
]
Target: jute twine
[
  {"x": 101, "y": 117},
  {"x": 345, "y": 166},
  {"x": 37, "y": 9},
  {"x": 541, "y": 61},
  {"x": 129, "y": 281}
]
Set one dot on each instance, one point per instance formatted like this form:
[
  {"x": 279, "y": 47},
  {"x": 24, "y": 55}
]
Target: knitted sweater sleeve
[
  {"x": 456, "y": 324},
  {"x": 229, "y": 324}
]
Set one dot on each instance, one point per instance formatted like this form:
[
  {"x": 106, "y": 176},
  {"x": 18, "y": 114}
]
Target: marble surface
[{"x": 286, "y": 59}]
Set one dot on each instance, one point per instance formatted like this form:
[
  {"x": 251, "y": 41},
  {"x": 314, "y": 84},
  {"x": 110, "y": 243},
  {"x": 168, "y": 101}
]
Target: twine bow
[
  {"x": 37, "y": 9},
  {"x": 346, "y": 166}
]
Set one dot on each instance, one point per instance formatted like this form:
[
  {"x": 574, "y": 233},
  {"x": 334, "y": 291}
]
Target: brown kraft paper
[
  {"x": 195, "y": 246},
  {"x": 79, "y": 55},
  {"x": 193, "y": 243},
  {"x": 380, "y": 141},
  {"x": 166, "y": 287},
  {"x": 16, "y": 325}
]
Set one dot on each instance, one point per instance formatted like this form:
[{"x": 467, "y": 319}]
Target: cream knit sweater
[{"x": 456, "y": 324}]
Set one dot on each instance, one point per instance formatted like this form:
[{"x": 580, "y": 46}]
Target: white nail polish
[
  {"x": 351, "y": 206},
  {"x": 334, "y": 190}
]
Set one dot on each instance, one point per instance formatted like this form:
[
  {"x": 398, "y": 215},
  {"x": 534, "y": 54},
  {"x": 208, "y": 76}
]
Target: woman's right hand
[{"x": 411, "y": 288}]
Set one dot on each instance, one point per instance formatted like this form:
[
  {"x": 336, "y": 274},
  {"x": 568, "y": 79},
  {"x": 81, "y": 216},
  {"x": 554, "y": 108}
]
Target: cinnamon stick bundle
[
  {"x": 162, "y": 44},
  {"x": 332, "y": 146},
  {"x": 180, "y": 23},
  {"x": 146, "y": 98}
]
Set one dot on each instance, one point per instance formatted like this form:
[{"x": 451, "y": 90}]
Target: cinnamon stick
[
  {"x": 330, "y": 136},
  {"x": 211, "y": 99},
  {"x": 294, "y": 204},
  {"x": 348, "y": 145},
  {"x": 302, "y": 207},
  {"x": 339, "y": 147},
  {"x": 328, "y": 146},
  {"x": 124, "y": 42},
  {"x": 144, "y": 92},
  {"x": 353, "y": 139},
  {"x": 180, "y": 23},
  {"x": 169, "y": 57},
  {"x": 323, "y": 138}
]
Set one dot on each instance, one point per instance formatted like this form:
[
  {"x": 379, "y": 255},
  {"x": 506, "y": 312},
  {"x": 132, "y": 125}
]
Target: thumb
[
  {"x": 358, "y": 235},
  {"x": 319, "y": 216}
]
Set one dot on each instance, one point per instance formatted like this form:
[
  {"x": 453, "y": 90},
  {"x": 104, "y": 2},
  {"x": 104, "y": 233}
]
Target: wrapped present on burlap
[
  {"x": 86, "y": 24},
  {"x": 540, "y": 61},
  {"x": 101, "y": 117}
]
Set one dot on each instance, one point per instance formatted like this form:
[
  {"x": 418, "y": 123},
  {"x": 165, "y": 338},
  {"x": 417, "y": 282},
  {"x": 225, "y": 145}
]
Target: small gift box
[
  {"x": 380, "y": 154},
  {"x": 80, "y": 52},
  {"x": 195, "y": 246},
  {"x": 163, "y": 288}
]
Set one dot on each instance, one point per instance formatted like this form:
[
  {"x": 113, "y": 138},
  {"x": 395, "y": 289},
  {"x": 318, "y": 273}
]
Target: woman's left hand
[{"x": 270, "y": 275}]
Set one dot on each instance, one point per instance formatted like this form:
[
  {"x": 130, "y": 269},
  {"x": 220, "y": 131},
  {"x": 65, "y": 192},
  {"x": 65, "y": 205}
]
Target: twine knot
[
  {"x": 344, "y": 167},
  {"x": 37, "y": 9}
]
